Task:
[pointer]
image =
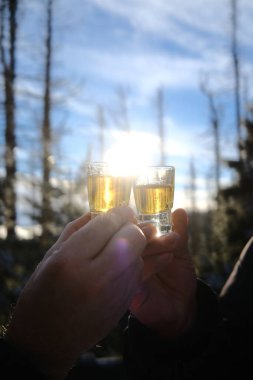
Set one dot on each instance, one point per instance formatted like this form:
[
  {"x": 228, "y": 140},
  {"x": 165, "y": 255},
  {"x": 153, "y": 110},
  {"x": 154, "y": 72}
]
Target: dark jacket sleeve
[
  {"x": 14, "y": 364},
  {"x": 237, "y": 294},
  {"x": 206, "y": 352}
]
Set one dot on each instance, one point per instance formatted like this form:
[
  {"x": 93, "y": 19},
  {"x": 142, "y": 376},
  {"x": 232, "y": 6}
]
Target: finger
[
  {"x": 148, "y": 229},
  {"x": 162, "y": 244},
  {"x": 70, "y": 228},
  {"x": 122, "y": 251},
  {"x": 93, "y": 237},
  {"x": 74, "y": 226},
  {"x": 180, "y": 223}
]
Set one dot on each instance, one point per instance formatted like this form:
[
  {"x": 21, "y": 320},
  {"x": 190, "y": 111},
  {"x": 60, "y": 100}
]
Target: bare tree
[
  {"x": 46, "y": 212},
  {"x": 215, "y": 123},
  {"x": 160, "y": 116},
  {"x": 101, "y": 124},
  {"x": 236, "y": 69},
  {"x": 122, "y": 97},
  {"x": 8, "y": 61},
  {"x": 119, "y": 113},
  {"x": 192, "y": 186},
  {"x": 194, "y": 226}
]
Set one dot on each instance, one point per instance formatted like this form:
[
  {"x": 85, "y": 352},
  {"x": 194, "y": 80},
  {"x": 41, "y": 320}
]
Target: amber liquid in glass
[
  {"x": 153, "y": 199},
  {"x": 106, "y": 192}
]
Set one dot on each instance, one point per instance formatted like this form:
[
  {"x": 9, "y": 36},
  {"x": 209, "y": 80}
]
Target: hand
[
  {"x": 79, "y": 291},
  {"x": 165, "y": 301}
]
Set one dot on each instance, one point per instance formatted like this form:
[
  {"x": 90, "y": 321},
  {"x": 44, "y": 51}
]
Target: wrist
[
  {"x": 207, "y": 316},
  {"x": 167, "y": 317},
  {"x": 182, "y": 323},
  {"x": 194, "y": 335}
]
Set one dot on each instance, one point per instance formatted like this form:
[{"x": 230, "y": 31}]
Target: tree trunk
[
  {"x": 160, "y": 112},
  {"x": 46, "y": 213},
  {"x": 236, "y": 68},
  {"x": 8, "y": 61}
]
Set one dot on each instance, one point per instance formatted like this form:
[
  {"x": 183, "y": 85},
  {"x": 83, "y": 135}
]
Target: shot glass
[
  {"x": 107, "y": 188},
  {"x": 154, "y": 195}
]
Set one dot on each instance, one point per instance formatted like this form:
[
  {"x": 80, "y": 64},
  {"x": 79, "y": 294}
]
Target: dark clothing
[
  {"x": 15, "y": 365},
  {"x": 213, "y": 350},
  {"x": 237, "y": 294},
  {"x": 219, "y": 346}
]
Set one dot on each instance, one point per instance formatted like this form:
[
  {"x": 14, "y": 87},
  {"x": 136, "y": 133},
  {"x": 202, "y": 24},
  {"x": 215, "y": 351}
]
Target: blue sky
[{"x": 140, "y": 46}]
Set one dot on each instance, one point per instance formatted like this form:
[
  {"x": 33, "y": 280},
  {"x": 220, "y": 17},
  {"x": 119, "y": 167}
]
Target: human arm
[
  {"x": 79, "y": 291},
  {"x": 166, "y": 300},
  {"x": 174, "y": 317},
  {"x": 236, "y": 294},
  {"x": 212, "y": 345}
]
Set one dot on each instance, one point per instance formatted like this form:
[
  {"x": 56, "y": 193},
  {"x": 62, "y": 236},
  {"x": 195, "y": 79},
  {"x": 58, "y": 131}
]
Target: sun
[{"x": 131, "y": 152}]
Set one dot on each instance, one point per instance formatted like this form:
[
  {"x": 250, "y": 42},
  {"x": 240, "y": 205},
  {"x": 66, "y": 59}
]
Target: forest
[{"x": 216, "y": 235}]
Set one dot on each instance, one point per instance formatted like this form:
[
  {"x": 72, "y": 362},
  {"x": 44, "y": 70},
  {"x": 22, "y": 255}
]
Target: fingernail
[{"x": 148, "y": 230}]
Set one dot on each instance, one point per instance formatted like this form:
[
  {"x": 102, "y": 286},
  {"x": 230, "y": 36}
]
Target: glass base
[{"x": 161, "y": 221}]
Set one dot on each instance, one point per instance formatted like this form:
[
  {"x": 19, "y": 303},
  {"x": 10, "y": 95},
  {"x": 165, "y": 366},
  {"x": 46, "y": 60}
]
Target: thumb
[{"x": 180, "y": 223}]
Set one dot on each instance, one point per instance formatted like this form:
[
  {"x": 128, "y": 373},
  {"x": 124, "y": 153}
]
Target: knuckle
[{"x": 70, "y": 225}]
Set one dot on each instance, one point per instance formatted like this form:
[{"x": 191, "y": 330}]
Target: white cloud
[
  {"x": 150, "y": 52},
  {"x": 146, "y": 70},
  {"x": 185, "y": 22}
]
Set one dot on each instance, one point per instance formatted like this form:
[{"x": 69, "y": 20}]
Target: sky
[{"x": 104, "y": 47}]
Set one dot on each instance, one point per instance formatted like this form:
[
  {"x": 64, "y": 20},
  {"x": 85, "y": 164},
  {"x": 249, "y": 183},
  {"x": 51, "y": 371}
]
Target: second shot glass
[{"x": 154, "y": 195}]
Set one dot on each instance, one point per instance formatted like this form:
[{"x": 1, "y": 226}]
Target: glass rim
[
  {"x": 97, "y": 163},
  {"x": 145, "y": 166},
  {"x": 160, "y": 167}
]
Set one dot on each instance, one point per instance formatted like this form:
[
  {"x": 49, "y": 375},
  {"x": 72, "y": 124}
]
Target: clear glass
[
  {"x": 107, "y": 188},
  {"x": 154, "y": 195}
]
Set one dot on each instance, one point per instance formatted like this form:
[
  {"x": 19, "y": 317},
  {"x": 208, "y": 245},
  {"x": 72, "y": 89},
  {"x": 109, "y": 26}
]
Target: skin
[
  {"x": 166, "y": 301},
  {"x": 88, "y": 280},
  {"x": 79, "y": 291}
]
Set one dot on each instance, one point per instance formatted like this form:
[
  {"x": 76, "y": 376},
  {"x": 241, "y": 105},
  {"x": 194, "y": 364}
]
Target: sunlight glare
[{"x": 131, "y": 152}]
